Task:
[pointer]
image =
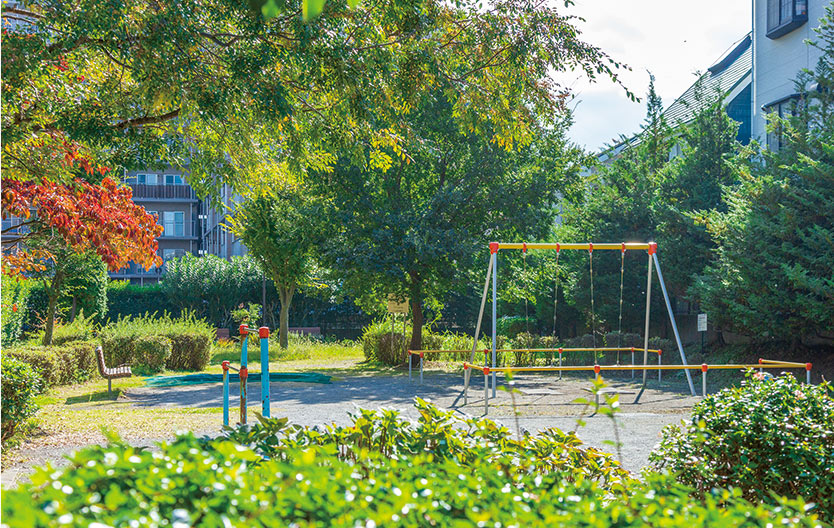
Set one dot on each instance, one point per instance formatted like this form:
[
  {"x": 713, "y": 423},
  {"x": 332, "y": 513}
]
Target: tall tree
[
  {"x": 278, "y": 228},
  {"x": 413, "y": 229},
  {"x": 773, "y": 274},
  {"x": 224, "y": 91}
]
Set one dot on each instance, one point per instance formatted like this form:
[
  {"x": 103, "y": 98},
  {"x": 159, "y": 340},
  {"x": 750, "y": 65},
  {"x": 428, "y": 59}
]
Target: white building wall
[{"x": 776, "y": 62}]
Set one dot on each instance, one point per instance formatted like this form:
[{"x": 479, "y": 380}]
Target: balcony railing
[{"x": 163, "y": 192}]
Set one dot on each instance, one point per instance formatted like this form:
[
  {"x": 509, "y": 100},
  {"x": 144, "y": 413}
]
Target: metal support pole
[
  {"x": 244, "y": 370},
  {"x": 486, "y": 390},
  {"x": 409, "y": 366},
  {"x": 494, "y": 316},
  {"x": 421, "y": 368},
  {"x": 560, "y": 363},
  {"x": 808, "y": 373},
  {"x": 646, "y": 330},
  {"x": 632, "y": 362},
  {"x": 263, "y": 333},
  {"x": 466, "y": 373},
  {"x": 596, "y": 387},
  {"x": 465, "y": 385},
  {"x": 659, "y": 362},
  {"x": 672, "y": 320},
  {"x": 704, "y": 369},
  {"x": 225, "y": 365}
]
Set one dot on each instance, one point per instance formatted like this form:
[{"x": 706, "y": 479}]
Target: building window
[
  {"x": 783, "y": 16},
  {"x": 173, "y": 179},
  {"x": 171, "y": 254},
  {"x": 783, "y": 109},
  {"x": 173, "y": 223}
]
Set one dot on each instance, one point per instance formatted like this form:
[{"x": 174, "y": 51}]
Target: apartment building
[{"x": 780, "y": 31}]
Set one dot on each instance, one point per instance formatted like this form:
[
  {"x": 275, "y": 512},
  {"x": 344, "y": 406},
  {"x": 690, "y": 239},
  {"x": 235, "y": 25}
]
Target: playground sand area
[{"x": 534, "y": 402}]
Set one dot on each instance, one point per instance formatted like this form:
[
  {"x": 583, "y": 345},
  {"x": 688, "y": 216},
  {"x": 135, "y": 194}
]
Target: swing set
[{"x": 490, "y": 365}]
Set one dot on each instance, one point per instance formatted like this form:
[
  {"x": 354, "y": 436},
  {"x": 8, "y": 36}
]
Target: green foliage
[
  {"x": 151, "y": 353},
  {"x": 212, "y": 286},
  {"x": 125, "y": 299},
  {"x": 80, "y": 329},
  {"x": 71, "y": 362},
  {"x": 190, "y": 339},
  {"x": 770, "y": 435},
  {"x": 15, "y": 306},
  {"x": 20, "y": 386},
  {"x": 378, "y": 471},
  {"x": 248, "y": 314},
  {"x": 279, "y": 230},
  {"x": 512, "y": 325},
  {"x": 379, "y": 345}
]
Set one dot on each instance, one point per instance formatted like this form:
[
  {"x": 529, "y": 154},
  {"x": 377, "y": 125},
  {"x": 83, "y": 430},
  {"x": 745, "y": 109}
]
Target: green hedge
[
  {"x": 190, "y": 342},
  {"x": 15, "y": 305},
  {"x": 125, "y": 299},
  {"x": 376, "y": 472},
  {"x": 770, "y": 435},
  {"x": 73, "y": 362},
  {"x": 20, "y": 385}
]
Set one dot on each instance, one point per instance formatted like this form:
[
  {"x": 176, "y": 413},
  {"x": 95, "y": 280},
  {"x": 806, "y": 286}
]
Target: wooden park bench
[{"x": 122, "y": 371}]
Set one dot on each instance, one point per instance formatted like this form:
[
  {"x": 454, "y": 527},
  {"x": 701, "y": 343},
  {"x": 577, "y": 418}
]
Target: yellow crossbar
[
  {"x": 599, "y": 349},
  {"x": 586, "y": 246},
  {"x": 771, "y": 361},
  {"x": 635, "y": 367}
]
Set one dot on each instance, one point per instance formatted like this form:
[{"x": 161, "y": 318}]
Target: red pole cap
[
  {"x": 225, "y": 365},
  {"x": 263, "y": 332},
  {"x": 493, "y": 247},
  {"x": 652, "y": 248},
  {"x": 244, "y": 373},
  {"x": 466, "y": 366},
  {"x": 623, "y": 247},
  {"x": 558, "y": 247},
  {"x": 486, "y": 370},
  {"x": 590, "y": 247},
  {"x": 659, "y": 351},
  {"x": 704, "y": 367},
  {"x": 560, "y": 350},
  {"x": 632, "y": 349},
  {"x": 421, "y": 354},
  {"x": 760, "y": 361},
  {"x": 596, "y": 369},
  {"x": 243, "y": 329},
  {"x": 524, "y": 247},
  {"x": 807, "y": 366}
]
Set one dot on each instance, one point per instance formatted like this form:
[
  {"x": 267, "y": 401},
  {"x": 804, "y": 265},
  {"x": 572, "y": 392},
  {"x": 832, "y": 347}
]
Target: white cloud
[{"x": 671, "y": 38}]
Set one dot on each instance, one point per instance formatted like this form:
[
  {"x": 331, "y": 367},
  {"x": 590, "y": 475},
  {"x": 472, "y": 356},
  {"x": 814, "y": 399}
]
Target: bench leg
[{"x": 109, "y": 386}]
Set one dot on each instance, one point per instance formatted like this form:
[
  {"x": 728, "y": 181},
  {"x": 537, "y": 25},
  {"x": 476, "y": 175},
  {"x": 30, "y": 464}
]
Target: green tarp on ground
[{"x": 255, "y": 377}]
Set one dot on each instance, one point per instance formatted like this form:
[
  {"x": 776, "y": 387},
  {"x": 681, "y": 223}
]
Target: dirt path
[{"x": 540, "y": 402}]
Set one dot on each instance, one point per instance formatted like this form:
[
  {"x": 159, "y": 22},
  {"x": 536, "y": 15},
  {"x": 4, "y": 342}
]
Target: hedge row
[
  {"x": 72, "y": 362},
  {"x": 21, "y": 383}
]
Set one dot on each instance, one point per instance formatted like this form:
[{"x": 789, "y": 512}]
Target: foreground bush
[
  {"x": 194, "y": 482},
  {"x": 20, "y": 385},
  {"x": 72, "y": 362},
  {"x": 190, "y": 342},
  {"x": 766, "y": 436}
]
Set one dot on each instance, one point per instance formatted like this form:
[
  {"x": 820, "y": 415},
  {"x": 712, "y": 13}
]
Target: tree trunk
[
  {"x": 284, "y": 319},
  {"x": 54, "y": 291},
  {"x": 72, "y": 310}
]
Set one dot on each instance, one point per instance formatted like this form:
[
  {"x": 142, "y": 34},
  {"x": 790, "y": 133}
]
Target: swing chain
[{"x": 620, "y": 320}]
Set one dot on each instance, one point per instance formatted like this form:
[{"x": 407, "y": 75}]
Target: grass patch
[{"x": 301, "y": 350}]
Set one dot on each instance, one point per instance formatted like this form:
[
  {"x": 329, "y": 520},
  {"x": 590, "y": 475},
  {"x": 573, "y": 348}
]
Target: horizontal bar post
[
  {"x": 606, "y": 246},
  {"x": 770, "y": 361},
  {"x": 635, "y": 367}
]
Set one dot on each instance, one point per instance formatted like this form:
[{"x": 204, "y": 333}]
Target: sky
[{"x": 670, "y": 38}]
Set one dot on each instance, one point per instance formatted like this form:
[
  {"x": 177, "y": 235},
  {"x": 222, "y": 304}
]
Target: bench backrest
[{"x": 102, "y": 368}]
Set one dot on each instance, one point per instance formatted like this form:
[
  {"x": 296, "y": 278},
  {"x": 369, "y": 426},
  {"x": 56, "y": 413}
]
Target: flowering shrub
[{"x": 770, "y": 435}]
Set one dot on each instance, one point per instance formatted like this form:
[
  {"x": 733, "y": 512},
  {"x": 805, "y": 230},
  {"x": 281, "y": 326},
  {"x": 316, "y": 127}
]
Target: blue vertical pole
[
  {"x": 493, "y": 248},
  {"x": 263, "y": 333}
]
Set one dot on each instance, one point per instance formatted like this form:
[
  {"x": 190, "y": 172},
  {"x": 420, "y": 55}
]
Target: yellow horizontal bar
[
  {"x": 632, "y": 367},
  {"x": 601, "y": 349},
  {"x": 586, "y": 246},
  {"x": 766, "y": 361}
]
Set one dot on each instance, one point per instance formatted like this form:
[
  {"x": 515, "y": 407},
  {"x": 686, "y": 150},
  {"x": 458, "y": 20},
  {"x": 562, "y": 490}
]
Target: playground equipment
[
  {"x": 597, "y": 369},
  {"x": 263, "y": 334},
  {"x": 651, "y": 250}
]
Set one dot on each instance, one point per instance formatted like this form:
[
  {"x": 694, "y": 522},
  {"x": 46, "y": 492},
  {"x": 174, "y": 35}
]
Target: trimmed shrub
[
  {"x": 151, "y": 353},
  {"x": 770, "y": 435},
  {"x": 376, "y": 472},
  {"x": 20, "y": 385},
  {"x": 125, "y": 299},
  {"x": 82, "y": 329},
  {"x": 73, "y": 362},
  {"x": 190, "y": 340}
]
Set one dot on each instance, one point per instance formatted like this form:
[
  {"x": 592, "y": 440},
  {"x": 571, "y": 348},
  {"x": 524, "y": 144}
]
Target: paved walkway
[{"x": 538, "y": 401}]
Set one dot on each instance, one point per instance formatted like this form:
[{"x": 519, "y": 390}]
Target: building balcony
[{"x": 180, "y": 193}]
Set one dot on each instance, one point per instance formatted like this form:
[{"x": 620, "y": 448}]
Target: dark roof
[{"x": 725, "y": 75}]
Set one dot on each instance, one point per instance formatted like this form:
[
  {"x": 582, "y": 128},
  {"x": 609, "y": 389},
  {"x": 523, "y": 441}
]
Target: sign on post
[
  {"x": 395, "y": 306},
  {"x": 702, "y": 322}
]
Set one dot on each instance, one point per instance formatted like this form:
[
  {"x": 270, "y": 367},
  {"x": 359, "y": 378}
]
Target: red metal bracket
[
  {"x": 652, "y": 248},
  {"x": 244, "y": 330},
  {"x": 493, "y": 247},
  {"x": 263, "y": 332}
]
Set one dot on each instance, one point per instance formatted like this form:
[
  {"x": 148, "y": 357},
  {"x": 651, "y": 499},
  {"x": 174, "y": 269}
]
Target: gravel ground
[{"x": 540, "y": 402}]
